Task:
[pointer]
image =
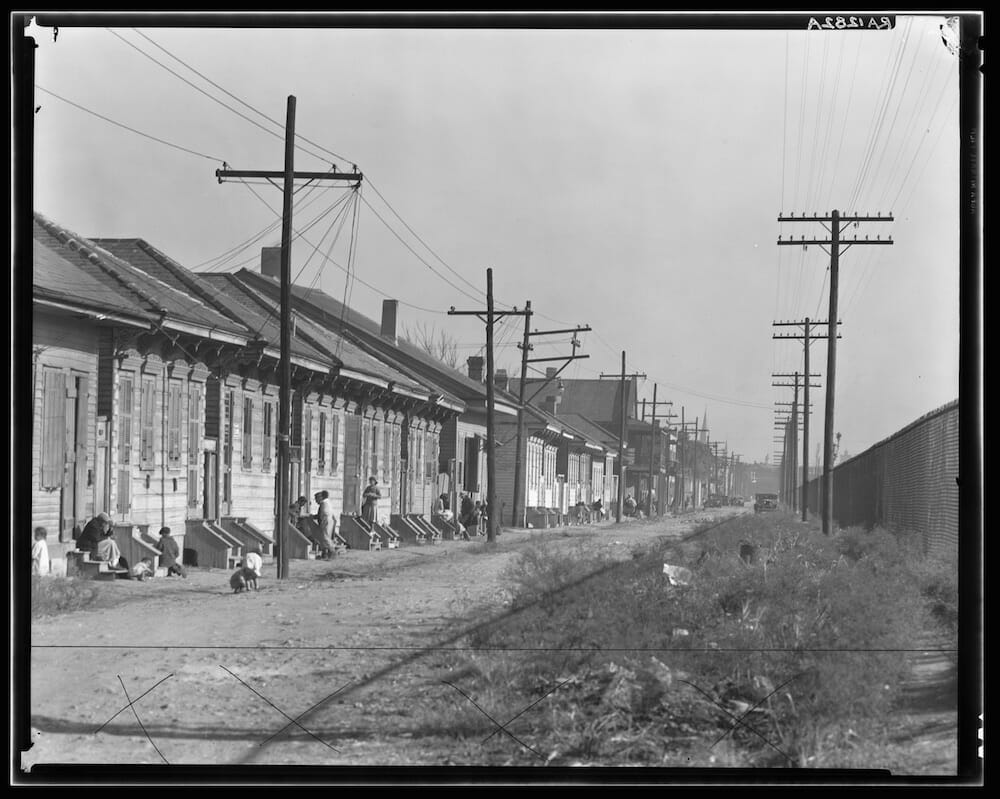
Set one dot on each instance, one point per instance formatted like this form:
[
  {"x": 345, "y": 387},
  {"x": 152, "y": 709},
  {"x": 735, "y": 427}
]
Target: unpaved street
[{"x": 235, "y": 675}]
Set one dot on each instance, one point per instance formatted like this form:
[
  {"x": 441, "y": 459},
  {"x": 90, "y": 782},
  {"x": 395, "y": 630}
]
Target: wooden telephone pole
[
  {"x": 289, "y": 175},
  {"x": 490, "y": 317},
  {"x": 519, "y": 510},
  {"x": 834, "y": 243},
  {"x": 791, "y": 453},
  {"x": 653, "y": 440},
  {"x": 806, "y": 337},
  {"x": 621, "y": 438}
]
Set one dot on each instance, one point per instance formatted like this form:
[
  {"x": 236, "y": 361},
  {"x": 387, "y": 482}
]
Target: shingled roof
[
  {"x": 126, "y": 285},
  {"x": 599, "y": 400},
  {"x": 329, "y": 313}
]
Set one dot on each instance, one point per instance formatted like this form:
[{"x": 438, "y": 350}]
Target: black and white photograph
[{"x": 486, "y": 398}]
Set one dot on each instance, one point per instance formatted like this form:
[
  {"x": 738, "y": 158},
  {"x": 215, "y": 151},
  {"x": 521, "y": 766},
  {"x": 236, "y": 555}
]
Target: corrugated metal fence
[{"x": 908, "y": 482}]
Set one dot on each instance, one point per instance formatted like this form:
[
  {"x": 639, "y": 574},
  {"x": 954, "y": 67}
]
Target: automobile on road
[{"x": 764, "y": 502}]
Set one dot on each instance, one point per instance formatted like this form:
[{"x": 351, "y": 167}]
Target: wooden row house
[
  {"x": 446, "y": 458},
  {"x": 169, "y": 402}
]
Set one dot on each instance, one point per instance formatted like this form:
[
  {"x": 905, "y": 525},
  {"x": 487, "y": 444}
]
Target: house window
[
  {"x": 334, "y": 442},
  {"x": 321, "y": 460},
  {"x": 124, "y": 418},
  {"x": 147, "y": 424},
  {"x": 53, "y": 454},
  {"x": 174, "y": 426},
  {"x": 248, "y": 432},
  {"x": 194, "y": 445},
  {"x": 374, "y": 449},
  {"x": 268, "y": 435}
]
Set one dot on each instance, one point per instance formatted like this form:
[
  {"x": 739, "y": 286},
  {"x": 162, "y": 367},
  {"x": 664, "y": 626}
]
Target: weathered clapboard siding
[
  {"x": 150, "y": 488},
  {"x": 323, "y": 412},
  {"x": 67, "y": 346},
  {"x": 253, "y": 485}
]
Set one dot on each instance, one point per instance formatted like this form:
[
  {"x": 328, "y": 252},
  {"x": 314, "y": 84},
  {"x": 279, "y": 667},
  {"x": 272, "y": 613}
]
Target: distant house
[{"x": 561, "y": 453}]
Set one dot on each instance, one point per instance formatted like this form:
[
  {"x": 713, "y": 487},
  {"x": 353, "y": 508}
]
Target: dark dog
[{"x": 238, "y": 581}]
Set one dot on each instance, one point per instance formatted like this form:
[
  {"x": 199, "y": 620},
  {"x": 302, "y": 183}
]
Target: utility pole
[
  {"x": 792, "y": 454},
  {"x": 653, "y": 441},
  {"x": 491, "y": 318},
  {"x": 519, "y": 511},
  {"x": 289, "y": 175},
  {"x": 834, "y": 243},
  {"x": 621, "y": 438},
  {"x": 807, "y": 337}
]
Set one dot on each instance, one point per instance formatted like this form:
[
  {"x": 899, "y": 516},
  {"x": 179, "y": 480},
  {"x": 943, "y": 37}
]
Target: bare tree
[{"x": 436, "y": 343}]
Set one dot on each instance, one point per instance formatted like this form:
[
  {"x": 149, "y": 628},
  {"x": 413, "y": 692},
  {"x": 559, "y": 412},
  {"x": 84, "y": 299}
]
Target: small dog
[{"x": 238, "y": 581}]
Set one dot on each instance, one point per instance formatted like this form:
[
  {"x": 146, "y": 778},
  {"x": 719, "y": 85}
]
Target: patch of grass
[
  {"x": 809, "y": 631},
  {"x": 52, "y": 595}
]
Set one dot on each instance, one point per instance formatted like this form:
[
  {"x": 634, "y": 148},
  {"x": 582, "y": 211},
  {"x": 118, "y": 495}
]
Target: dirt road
[{"x": 342, "y": 664}]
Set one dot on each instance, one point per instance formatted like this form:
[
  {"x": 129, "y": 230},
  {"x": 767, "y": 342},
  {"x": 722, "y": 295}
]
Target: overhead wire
[
  {"x": 240, "y": 100},
  {"x": 211, "y": 97},
  {"x": 129, "y": 128}
]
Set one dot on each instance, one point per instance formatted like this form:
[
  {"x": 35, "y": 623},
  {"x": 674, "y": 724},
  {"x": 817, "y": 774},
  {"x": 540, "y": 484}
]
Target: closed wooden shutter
[
  {"x": 268, "y": 436},
  {"x": 126, "y": 390},
  {"x": 334, "y": 441},
  {"x": 174, "y": 426},
  {"x": 53, "y": 442},
  {"x": 307, "y": 439},
  {"x": 147, "y": 427},
  {"x": 248, "y": 432},
  {"x": 321, "y": 459},
  {"x": 194, "y": 446}
]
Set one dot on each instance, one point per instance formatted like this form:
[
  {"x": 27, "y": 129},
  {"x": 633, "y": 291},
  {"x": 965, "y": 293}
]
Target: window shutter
[
  {"x": 53, "y": 428},
  {"x": 307, "y": 440},
  {"x": 247, "y": 432},
  {"x": 268, "y": 432},
  {"x": 174, "y": 426},
  {"x": 321, "y": 464},
  {"x": 334, "y": 436}
]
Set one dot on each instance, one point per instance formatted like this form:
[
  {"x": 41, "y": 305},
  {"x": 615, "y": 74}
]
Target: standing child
[{"x": 40, "y": 552}]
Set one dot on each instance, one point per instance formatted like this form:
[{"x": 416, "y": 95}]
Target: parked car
[
  {"x": 738, "y": 502},
  {"x": 714, "y": 501},
  {"x": 764, "y": 502}
]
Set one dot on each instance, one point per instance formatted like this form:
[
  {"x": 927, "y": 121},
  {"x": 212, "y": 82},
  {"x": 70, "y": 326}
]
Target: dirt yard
[
  {"x": 346, "y": 663},
  {"x": 368, "y": 636}
]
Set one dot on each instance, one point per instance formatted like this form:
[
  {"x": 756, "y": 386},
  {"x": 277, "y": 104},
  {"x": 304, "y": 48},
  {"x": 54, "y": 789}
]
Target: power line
[
  {"x": 130, "y": 129},
  {"x": 209, "y": 96},
  {"x": 238, "y": 99}
]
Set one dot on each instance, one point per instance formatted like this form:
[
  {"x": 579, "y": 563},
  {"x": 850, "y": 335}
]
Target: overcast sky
[{"x": 626, "y": 180}]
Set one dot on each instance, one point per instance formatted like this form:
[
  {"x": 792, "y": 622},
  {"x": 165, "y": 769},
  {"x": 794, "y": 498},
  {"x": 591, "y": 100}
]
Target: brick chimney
[
  {"x": 270, "y": 262},
  {"x": 388, "y": 329},
  {"x": 500, "y": 380},
  {"x": 476, "y": 368}
]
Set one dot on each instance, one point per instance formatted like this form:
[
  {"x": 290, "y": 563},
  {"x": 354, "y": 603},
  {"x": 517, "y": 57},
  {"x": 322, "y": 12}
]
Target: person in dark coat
[
  {"x": 371, "y": 496},
  {"x": 170, "y": 554},
  {"x": 94, "y": 532},
  {"x": 468, "y": 517}
]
